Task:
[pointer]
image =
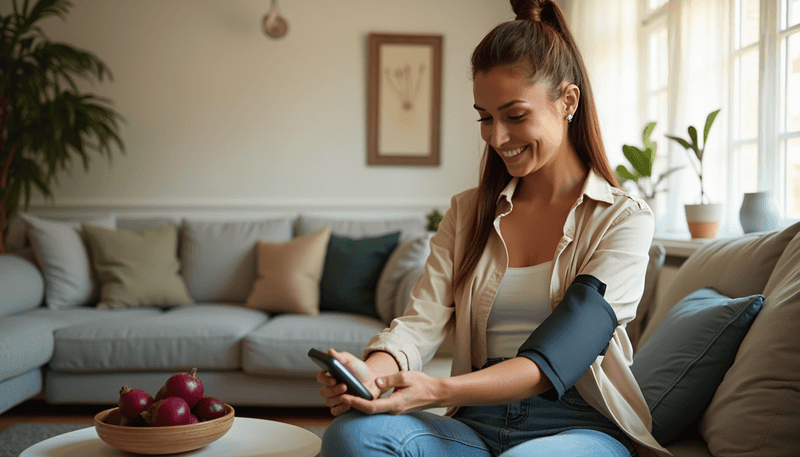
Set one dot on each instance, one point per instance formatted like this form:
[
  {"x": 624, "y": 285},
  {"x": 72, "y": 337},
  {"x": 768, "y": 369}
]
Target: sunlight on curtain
[{"x": 606, "y": 33}]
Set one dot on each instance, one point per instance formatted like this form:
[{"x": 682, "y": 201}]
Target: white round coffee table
[{"x": 247, "y": 437}]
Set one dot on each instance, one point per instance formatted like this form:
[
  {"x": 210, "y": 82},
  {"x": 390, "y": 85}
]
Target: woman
[{"x": 536, "y": 271}]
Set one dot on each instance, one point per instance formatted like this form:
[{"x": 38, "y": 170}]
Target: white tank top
[{"x": 522, "y": 303}]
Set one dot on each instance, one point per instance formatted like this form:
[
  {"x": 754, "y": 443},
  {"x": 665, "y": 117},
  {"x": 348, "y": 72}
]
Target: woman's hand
[
  {"x": 413, "y": 391},
  {"x": 334, "y": 391}
]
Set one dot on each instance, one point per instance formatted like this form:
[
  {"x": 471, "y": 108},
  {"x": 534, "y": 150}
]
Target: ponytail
[{"x": 540, "y": 43}]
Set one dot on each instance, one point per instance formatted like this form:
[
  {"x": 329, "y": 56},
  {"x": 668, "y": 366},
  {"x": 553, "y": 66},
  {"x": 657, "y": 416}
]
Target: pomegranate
[
  {"x": 183, "y": 385},
  {"x": 167, "y": 412},
  {"x": 193, "y": 419},
  {"x": 133, "y": 401},
  {"x": 114, "y": 417},
  {"x": 208, "y": 408}
]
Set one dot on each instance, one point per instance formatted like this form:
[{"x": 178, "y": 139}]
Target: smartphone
[{"x": 340, "y": 372}]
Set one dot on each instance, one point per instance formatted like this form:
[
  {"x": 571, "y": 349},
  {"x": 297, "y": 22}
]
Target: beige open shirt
[{"x": 607, "y": 235}]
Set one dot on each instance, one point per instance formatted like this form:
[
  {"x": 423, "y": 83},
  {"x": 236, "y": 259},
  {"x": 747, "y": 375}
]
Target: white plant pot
[
  {"x": 759, "y": 212},
  {"x": 703, "y": 219}
]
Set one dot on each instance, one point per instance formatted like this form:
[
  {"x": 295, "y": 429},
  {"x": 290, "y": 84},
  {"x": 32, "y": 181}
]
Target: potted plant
[
  {"x": 45, "y": 121},
  {"x": 641, "y": 161},
  {"x": 703, "y": 218}
]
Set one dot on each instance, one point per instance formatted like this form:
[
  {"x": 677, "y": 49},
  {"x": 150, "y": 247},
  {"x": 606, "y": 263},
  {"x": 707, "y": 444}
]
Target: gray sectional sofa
[
  {"x": 53, "y": 349},
  {"x": 717, "y": 353}
]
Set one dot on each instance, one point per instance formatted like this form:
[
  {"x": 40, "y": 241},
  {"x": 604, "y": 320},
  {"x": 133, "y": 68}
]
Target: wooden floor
[{"x": 40, "y": 411}]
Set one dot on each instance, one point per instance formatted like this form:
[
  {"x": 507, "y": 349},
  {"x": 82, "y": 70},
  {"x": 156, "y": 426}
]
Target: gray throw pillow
[
  {"x": 218, "y": 258},
  {"x": 63, "y": 256},
  {"x": 680, "y": 366}
]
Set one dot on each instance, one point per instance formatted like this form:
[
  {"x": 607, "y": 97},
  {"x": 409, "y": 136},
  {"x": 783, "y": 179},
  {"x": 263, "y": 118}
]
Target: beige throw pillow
[
  {"x": 137, "y": 268},
  {"x": 289, "y": 274},
  {"x": 756, "y": 408}
]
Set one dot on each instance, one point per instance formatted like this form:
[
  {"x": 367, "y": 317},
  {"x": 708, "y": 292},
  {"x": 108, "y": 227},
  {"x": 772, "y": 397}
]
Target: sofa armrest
[{"x": 21, "y": 283}]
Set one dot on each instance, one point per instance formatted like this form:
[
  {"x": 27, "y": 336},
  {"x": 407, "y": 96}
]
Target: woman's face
[{"x": 525, "y": 128}]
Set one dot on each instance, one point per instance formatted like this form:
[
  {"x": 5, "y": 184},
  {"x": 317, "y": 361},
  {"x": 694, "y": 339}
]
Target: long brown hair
[{"x": 539, "y": 42}]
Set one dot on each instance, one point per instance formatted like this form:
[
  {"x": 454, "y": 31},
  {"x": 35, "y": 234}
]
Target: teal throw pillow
[
  {"x": 679, "y": 368},
  {"x": 351, "y": 272}
]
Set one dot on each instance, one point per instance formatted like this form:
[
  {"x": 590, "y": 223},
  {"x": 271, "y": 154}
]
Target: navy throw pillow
[
  {"x": 351, "y": 272},
  {"x": 679, "y": 368}
]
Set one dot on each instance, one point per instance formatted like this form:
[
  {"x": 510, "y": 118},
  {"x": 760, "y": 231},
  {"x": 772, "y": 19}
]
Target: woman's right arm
[{"x": 413, "y": 338}]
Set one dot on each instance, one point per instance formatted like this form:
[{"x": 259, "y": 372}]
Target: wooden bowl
[{"x": 163, "y": 440}]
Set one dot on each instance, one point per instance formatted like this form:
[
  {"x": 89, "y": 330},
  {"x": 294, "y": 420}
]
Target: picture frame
[{"x": 405, "y": 90}]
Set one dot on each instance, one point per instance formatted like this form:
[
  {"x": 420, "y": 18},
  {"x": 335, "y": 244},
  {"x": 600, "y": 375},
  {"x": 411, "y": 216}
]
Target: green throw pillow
[
  {"x": 137, "y": 268},
  {"x": 679, "y": 368},
  {"x": 352, "y": 268}
]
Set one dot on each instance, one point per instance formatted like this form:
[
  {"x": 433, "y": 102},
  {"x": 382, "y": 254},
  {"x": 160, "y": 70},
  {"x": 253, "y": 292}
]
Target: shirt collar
[{"x": 596, "y": 187}]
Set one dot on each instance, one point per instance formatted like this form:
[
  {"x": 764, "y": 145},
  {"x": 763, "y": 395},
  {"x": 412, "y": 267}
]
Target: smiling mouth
[{"x": 513, "y": 152}]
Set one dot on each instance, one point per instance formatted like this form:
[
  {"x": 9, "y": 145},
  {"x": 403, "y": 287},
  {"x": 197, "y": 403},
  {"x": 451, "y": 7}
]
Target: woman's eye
[
  {"x": 517, "y": 118},
  {"x": 484, "y": 119}
]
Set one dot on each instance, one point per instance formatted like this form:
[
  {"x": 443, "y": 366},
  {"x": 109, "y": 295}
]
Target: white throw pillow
[
  {"x": 63, "y": 256},
  {"x": 406, "y": 257}
]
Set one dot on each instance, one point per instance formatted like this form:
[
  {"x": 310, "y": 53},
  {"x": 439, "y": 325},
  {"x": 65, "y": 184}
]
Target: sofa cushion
[
  {"x": 289, "y": 274},
  {"x": 137, "y": 268},
  {"x": 20, "y": 388},
  {"x": 219, "y": 258},
  {"x": 201, "y": 336},
  {"x": 409, "y": 228},
  {"x": 26, "y": 339},
  {"x": 736, "y": 267},
  {"x": 63, "y": 257},
  {"x": 351, "y": 272},
  {"x": 21, "y": 283},
  {"x": 408, "y": 256},
  {"x": 280, "y": 347},
  {"x": 680, "y": 366},
  {"x": 756, "y": 409}
]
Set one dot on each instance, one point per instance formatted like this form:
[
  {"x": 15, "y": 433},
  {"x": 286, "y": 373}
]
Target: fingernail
[{"x": 379, "y": 382}]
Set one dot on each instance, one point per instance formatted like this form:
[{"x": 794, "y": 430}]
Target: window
[
  {"x": 789, "y": 115},
  {"x": 760, "y": 148}
]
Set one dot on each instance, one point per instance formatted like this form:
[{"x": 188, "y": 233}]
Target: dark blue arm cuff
[{"x": 571, "y": 338}]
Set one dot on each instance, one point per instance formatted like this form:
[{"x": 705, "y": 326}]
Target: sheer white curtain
[
  {"x": 607, "y": 32},
  {"x": 699, "y": 32}
]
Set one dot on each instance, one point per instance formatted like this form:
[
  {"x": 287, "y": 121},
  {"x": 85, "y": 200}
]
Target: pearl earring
[{"x": 569, "y": 118}]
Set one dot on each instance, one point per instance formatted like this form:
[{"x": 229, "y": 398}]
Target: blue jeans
[{"x": 569, "y": 427}]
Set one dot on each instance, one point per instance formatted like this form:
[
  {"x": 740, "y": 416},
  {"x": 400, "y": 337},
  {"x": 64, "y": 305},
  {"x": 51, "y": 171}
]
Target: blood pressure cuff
[{"x": 570, "y": 339}]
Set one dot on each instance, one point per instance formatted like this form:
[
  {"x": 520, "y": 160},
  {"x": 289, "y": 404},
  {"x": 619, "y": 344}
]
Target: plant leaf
[
  {"x": 623, "y": 173},
  {"x": 638, "y": 159},
  {"x": 648, "y": 130},
  {"x": 709, "y": 121},
  {"x": 680, "y": 141},
  {"x": 693, "y": 136}
]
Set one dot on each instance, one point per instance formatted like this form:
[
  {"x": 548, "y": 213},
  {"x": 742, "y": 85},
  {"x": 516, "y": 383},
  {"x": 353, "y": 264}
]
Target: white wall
[{"x": 218, "y": 113}]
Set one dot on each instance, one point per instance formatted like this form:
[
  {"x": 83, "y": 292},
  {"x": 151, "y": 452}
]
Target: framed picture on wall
[{"x": 405, "y": 91}]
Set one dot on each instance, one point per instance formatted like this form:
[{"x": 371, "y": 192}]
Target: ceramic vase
[
  {"x": 703, "y": 219},
  {"x": 759, "y": 212}
]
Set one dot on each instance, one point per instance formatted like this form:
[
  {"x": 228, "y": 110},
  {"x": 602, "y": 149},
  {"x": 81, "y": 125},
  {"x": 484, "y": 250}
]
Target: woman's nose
[{"x": 499, "y": 135}]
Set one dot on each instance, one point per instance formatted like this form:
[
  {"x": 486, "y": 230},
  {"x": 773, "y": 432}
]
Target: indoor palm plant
[
  {"x": 45, "y": 120},
  {"x": 702, "y": 218}
]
